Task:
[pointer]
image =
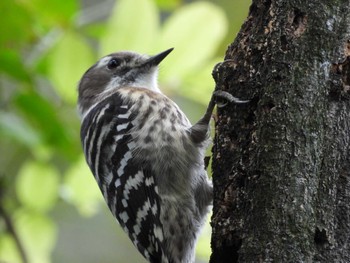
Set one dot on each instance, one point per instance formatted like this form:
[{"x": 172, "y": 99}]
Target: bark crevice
[{"x": 281, "y": 165}]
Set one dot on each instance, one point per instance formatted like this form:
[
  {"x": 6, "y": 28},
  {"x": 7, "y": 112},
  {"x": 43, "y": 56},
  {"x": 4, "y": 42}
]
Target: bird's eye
[{"x": 113, "y": 63}]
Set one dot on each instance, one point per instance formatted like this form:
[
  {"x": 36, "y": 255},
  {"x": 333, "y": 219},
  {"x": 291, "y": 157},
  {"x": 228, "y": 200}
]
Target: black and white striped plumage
[{"x": 147, "y": 158}]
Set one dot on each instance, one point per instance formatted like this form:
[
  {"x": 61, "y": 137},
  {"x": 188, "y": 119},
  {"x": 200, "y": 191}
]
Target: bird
[{"x": 146, "y": 156}]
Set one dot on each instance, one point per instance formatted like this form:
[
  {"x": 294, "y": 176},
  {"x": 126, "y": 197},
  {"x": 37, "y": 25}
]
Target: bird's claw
[{"x": 227, "y": 97}]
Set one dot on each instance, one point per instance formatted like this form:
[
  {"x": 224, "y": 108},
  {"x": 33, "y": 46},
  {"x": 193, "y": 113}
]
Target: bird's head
[{"x": 118, "y": 70}]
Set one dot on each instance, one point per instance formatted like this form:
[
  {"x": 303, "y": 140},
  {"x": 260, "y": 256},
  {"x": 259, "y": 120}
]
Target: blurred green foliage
[{"x": 45, "y": 48}]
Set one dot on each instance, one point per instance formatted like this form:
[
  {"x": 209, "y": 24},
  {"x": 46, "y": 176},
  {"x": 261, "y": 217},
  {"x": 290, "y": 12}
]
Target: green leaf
[
  {"x": 37, "y": 186},
  {"x": 8, "y": 250},
  {"x": 199, "y": 85},
  {"x": 96, "y": 30},
  {"x": 168, "y": 4},
  {"x": 56, "y": 13},
  {"x": 133, "y": 25},
  {"x": 12, "y": 64},
  {"x": 81, "y": 188},
  {"x": 38, "y": 234},
  {"x": 17, "y": 24},
  {"x": 42, "y": 115},
  {"x": 195, "y": 31},
  {"x": 14, "y": 127},
  {"x": 67, "y": 63}
]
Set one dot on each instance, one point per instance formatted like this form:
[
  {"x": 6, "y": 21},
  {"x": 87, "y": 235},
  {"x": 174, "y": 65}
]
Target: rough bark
[{"x": 281, "y": 163}]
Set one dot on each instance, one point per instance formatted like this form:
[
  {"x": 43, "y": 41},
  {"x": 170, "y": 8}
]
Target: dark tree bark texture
[{"x": 281, "y": 163}]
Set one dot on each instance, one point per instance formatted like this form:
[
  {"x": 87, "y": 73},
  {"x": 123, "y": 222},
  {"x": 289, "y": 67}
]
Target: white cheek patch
[
  {"x": 113, "y": 84},
  {"x": 148, "y": 81}
]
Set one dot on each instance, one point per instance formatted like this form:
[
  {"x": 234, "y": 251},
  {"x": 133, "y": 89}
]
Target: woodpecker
[{"x": 145, "y": 155}]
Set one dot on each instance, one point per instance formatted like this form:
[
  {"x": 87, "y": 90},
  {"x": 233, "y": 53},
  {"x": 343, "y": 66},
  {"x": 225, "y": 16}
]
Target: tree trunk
[{"x": 281, "y": 163}]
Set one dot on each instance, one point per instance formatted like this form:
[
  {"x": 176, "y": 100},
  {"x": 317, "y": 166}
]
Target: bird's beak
[{"x": 155, "y": 60}]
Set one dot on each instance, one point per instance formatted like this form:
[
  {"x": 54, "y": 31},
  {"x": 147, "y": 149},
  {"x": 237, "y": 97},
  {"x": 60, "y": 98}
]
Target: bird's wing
[
  {"x": 138, "y": 213},
  {"x": 128, "y": 187}
]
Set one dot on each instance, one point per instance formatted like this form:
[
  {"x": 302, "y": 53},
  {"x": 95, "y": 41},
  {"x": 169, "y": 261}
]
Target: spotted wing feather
[{"x": 128, "y": 187}]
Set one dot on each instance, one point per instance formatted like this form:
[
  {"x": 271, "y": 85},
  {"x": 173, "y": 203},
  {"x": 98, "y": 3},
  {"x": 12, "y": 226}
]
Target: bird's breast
[{"x": 158, "y": 123}]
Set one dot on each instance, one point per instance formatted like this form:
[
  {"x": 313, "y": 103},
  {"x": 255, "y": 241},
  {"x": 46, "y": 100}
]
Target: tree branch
[{"x": 12, "y": 231}]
